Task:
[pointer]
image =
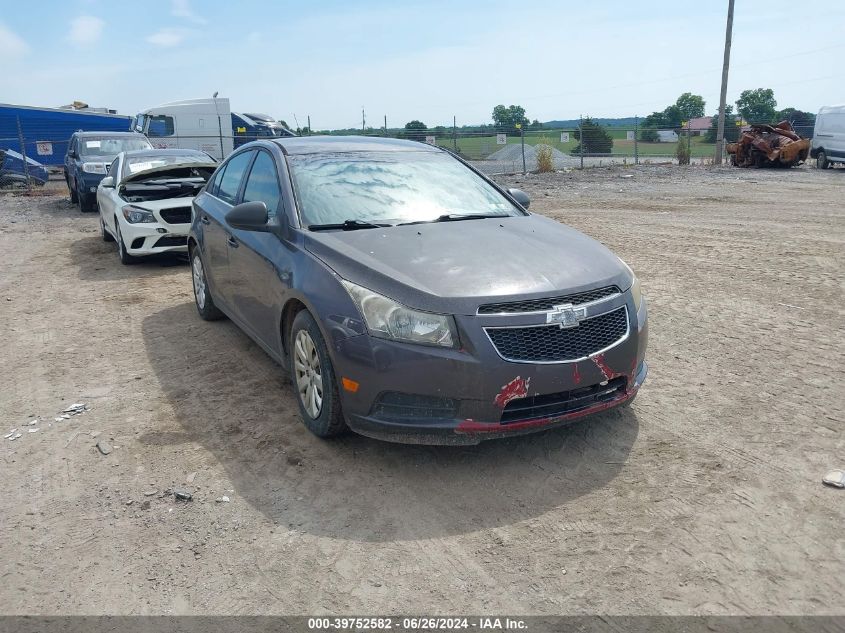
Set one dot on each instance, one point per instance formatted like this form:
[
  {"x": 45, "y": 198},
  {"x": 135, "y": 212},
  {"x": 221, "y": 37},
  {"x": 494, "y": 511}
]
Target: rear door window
[
  {"x": 230, "y": 182},
  {"x": 262, "y": 185}
]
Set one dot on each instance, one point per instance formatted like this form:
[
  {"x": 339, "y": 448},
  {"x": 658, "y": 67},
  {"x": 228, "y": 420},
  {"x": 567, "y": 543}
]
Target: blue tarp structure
[{"x": 46, "y": 131}]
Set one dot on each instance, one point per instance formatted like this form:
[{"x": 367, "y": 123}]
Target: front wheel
[
  {"x": 73, "y": 197},
  {"x": 821, "y": 160},
  {"x": 202, "y": 296},
  {"x": 107, "y": 237},
  {"x": 313, "y": 378},
  {"x": 125, "y": 258}
]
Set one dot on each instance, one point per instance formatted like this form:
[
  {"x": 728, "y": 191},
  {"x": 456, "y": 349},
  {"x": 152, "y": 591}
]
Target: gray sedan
[{"x": 409, "y": 297}]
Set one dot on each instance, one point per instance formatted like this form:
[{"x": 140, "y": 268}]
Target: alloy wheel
[
  {"x": 309, "y": 378},
  {"x": 199, "y": 281}
]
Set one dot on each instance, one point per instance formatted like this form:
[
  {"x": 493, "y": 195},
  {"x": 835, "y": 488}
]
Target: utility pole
[
  {"x": 454, "y": 134},
  {"x": 363, "y": 120},
  {"x": 309, "y": 125},
  {"x": 720, "y": 129},
  {"x": 385, "y": 125}
]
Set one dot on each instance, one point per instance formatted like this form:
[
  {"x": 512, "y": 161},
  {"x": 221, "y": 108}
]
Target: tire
[
  {"x": 312, "y": 373},
  {"x": 74, "y": 198},
  {"x": 821, "y": 160},
  {"x": 87, "y": 202},
  {"x": 202, "y": 295},
  {"x": 125, "y": 258},
  {"x": 107, "y": 237}
]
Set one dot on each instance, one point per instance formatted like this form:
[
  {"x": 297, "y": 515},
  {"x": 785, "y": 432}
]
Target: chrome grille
[
  {"x": 548, "y": 303},
  {"x": 551, "y": 343}
]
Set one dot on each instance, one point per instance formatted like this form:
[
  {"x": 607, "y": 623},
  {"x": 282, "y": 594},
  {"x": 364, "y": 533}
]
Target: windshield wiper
[
  {"x": 455, "y": 217},
  {"x": 347, "y": 225}
]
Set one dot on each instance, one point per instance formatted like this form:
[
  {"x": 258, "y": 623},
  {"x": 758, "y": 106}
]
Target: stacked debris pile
[{"x": 769, "y": 146}]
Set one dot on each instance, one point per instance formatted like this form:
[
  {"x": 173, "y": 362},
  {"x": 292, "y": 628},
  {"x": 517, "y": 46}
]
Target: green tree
[
  {"x": 597, "y": 140},
  {"x": 506, "y": 118},
  {"x": 757, "y": 106},
  {"x": 731, "y": 128},
  {"x": 690, "y": 106},
  {"x": 415, "y": 130}
]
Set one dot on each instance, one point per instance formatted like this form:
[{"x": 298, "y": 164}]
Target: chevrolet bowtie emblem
[{"x": 566, "y": 315}]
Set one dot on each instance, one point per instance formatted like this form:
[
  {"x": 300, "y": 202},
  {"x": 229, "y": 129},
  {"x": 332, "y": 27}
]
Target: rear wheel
[
  {"x": 202, "y": 296},
  {"x": 313, "y": 378},
  {"x": 821, "y": 160},
  {"x": 125, "y": 258}
]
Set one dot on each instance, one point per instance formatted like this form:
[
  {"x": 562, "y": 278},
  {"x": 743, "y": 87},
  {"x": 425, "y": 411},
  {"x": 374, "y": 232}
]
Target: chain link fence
[{"x": 33, "y": 156}]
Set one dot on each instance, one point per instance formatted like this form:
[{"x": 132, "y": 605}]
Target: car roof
[
  {"x": 333, "y": 144},
  {"x": 152, "y": 153},
  {"x": 106, "y": 133}
]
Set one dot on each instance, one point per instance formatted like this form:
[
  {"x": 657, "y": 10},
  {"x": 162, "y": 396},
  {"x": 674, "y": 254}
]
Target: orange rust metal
[{"x": 769, "y": 146}]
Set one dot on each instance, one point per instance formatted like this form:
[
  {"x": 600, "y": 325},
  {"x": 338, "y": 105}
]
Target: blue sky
[{"x": 418, "y": 60}]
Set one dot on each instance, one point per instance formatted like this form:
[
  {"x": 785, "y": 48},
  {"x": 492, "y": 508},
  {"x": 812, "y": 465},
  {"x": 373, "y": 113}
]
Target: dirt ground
[{"x": 704, "y": 498}]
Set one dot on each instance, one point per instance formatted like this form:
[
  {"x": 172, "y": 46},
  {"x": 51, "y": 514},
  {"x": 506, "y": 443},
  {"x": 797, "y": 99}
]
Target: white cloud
[
  {"x": 85, "y": 30},
  {"x": 10, "y": 44},
  {"x": 168, "y": 37},
  {"x": 182, "y": 9}
]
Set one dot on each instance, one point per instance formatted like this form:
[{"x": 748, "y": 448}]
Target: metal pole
[
  {"x": 581, "y": 135},
  {"x": 636, "y": 134},
  {"x": 219, "y": 127},
  {"x": 385, "y": 125},
  {"x": 720, "y": 129},
  {"x": 689, "y": 139},
  {"x": 455, "y": 133},
  {"x": 23, "y": 153},
  {"x": 363, "y": 120},
  {"x": 522, "y": 135},
  {"x": 309, "y": 125}
]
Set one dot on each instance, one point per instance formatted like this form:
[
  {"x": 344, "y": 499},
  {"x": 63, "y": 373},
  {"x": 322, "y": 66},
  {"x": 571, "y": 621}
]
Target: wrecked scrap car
[
  {"x": 145, "y": 200},
  {"x": 410, "y": 297},
  {"x": 769, "y": 146}
]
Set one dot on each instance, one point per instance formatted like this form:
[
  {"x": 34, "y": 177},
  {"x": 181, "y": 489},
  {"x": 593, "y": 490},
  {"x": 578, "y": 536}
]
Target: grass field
[{"x": 480, "y": 147}]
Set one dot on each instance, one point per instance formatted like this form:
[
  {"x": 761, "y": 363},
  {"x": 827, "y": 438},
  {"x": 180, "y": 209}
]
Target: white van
[
  {"x": 202, "y": 124},
  {"x": 828, "y": 144}
]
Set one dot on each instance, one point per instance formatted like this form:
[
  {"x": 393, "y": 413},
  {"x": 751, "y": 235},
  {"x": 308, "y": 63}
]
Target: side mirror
[
  {"x": 249, "y": 216},
  {"x": 521, "y": 197},
  {"x": 107, "y": 182}
]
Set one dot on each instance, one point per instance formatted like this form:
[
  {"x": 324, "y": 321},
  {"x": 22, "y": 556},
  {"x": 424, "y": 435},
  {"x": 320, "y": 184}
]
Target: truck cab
[{"x": 201, "y": 124}]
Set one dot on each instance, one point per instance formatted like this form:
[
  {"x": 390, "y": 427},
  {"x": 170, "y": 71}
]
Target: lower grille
[
  {"x": 180, "y": 215},
  {"x": 551, "y": 343},
  {"x": 396, "y": 405},
  {"x": 171, "y": 240},
  {"x": 551, "y": 405}
]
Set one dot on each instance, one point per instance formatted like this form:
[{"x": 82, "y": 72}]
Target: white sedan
[{"x": 145, "y": 200}]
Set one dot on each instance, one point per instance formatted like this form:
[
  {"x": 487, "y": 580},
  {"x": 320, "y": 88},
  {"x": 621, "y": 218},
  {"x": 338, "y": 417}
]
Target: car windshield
[
  {"x": 110, "y": 146},
  {"x": 136, "y": 164},
  {"x": 390, "y": 188}
]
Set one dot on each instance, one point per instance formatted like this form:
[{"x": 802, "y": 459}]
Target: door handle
[
  {"x": 231, "y": 241},
  {"x": 204, "y": 219}
]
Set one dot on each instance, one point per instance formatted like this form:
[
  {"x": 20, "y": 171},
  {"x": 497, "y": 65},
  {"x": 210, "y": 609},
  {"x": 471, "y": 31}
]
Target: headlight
[
  {"x": 136, "y": 215},
  {"x": 636, "y": 291},
  {"x": 386, "y": 318},
  {"x": 94, "y": 168}
]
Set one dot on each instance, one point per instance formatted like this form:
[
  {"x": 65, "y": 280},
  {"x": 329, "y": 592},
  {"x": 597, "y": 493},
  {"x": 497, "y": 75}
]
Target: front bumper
[
  {"x": 473, "y": 393},
  {"x": 150, "y": 238}
]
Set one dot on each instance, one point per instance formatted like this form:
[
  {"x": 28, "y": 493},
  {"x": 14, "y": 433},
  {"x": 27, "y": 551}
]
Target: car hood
[
  {"x": 163, "y": 168},
  {"x": 453, "y": 267}
]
